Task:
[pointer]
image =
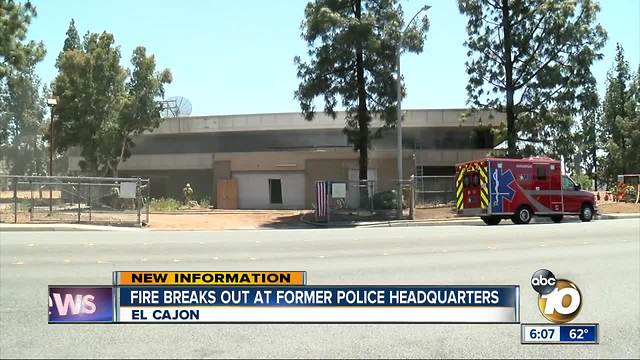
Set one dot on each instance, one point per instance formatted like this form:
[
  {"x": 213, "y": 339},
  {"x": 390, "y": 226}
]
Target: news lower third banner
[{"x": 274, "y": 297}]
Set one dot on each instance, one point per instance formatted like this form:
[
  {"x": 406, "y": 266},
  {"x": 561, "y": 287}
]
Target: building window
[
  {"x": 541, "y": 172},
  {"x": 275, "y": 191}
]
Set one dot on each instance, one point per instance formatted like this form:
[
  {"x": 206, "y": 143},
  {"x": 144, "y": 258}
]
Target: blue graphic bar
[
  {"x": 579, "y": 333},
  {"x": 320, "y": 296}
]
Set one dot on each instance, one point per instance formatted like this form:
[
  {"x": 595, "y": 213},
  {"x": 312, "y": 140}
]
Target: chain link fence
[
  {"x": 65, "y": 199},
  {"x": 433, "y": 191},
  {"x": 340, "y": 201}
]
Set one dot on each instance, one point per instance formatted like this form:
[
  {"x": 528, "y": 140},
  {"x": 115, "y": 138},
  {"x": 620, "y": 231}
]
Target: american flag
[{"x": 321, "y": 198}]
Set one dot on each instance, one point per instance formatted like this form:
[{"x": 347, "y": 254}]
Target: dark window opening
[
  {"x": 541, "y": 172},
  {"x": 466, "y": 181},
  {"x": 476, "y": 180},
  {"x": 275, "y": 191}
]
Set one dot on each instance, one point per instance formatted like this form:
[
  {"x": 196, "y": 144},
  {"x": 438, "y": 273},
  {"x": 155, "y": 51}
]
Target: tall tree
[
  {"x": 620, "y": 121},
  {"x": 72, "y": 42},
  {"x": 141, "y": 111},
  {"x": 528, "y": 58},
  {"x": 15, "y": 53},
  {"x": 102, "y": 105},
  {"x": 351, "y": 59},
  {"x": 590, "y": 120},
  {"x": 22, "y": 117}
]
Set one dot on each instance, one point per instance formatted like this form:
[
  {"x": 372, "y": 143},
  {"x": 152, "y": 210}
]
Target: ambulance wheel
[
  {"x": 523, "y": 215},
  {"x": 556, "y": 218},
  {"x": 586, "y": 213},
  {"x": 491, "y": 220}
]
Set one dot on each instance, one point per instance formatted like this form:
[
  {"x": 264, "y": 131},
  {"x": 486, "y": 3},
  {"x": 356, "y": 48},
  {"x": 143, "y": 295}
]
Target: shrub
[
  {"x": 386, "y": 200},
  {"x": 164, "y": 204},
  {"x": 204, "y": 203}
]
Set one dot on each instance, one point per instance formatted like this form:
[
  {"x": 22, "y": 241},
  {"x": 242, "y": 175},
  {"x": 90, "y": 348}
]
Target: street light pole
[
  {"x": 399, "y": 113},
  {"x": 51, "y": 102}
]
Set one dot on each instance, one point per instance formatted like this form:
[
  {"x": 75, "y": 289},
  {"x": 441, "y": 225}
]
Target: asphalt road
[{"x": 602, "y": 258}]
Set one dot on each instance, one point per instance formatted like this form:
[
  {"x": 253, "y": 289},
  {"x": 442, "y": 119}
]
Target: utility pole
[
  {"x": 399, "y": 113},
  {"x": 51, "y": 102}
]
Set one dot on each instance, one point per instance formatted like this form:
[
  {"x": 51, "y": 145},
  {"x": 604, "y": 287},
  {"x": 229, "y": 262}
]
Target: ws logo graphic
[{"x": 80, "y": 304}]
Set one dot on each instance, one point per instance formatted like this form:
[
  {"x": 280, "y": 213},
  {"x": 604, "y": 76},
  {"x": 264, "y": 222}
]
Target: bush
[
  {"x": 386, "y": 200},
  {"x": 204, "y": 203},
  {"x": 164, "y": 204}
]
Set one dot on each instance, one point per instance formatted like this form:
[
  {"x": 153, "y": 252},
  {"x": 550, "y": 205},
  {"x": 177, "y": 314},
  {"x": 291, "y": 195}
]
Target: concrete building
[{"x": 275, "y": 159}]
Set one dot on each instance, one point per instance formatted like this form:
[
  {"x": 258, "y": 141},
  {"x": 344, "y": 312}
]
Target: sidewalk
[
  {"x": 289, "y": 223},
  {"x": 65, "y": 227}
]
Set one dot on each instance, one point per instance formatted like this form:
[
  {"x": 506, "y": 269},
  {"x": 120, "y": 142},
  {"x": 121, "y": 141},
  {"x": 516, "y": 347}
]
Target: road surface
[{"x": 601, "y": 257}]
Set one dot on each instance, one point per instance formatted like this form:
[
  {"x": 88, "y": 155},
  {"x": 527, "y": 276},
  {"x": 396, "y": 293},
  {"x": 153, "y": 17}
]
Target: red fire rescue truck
[{"x": 518, "y": 189}]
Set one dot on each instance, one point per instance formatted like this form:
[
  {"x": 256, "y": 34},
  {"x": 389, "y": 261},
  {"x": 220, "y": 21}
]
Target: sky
[{"x": 236, "y": 57}]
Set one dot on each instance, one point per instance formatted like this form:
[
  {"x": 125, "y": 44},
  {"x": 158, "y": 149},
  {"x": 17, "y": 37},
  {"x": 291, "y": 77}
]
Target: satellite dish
[{"x": 175, "y": 106}]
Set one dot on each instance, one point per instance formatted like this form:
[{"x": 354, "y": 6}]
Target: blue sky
[{"x": 236, "y": 57}]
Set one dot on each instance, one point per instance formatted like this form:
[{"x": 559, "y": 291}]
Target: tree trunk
[
  {"x": 124, "y": 144},
  {"x": 509, "y": 85},
  {"x": 363, "y": 116}
]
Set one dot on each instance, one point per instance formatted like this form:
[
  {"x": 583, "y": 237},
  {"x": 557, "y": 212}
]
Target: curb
[
  {"x": 438, "y": 222},
  {"x": 65, "y": 227}
]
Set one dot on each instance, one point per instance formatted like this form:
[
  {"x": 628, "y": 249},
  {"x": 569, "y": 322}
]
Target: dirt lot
[
  {"x": 435, "y": 213},
  {"x": 220, "y": 220},
  {"x": 617, "y": 208}
]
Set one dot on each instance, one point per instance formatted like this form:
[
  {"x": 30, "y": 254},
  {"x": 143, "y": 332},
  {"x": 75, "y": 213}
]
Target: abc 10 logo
[{"x": 559, "y": 300}]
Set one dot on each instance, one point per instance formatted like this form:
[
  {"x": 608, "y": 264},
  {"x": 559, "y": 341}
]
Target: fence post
[
  {"x": 33, "y": 207},
  {"x": 148, "y": 199},
  {"x": 89, "y": 201},
  {"x": 15, "y": 200},
  {"x": 328, "y": 201},
  {"x": 79, "y": 198},
  {"x": 412, "y": 209},
  {"x": 138, "y": 193}
]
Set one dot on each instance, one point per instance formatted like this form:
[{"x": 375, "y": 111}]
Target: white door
[
  {"x": 353, "y": 191},
  {"x": 278, "y": 190}
]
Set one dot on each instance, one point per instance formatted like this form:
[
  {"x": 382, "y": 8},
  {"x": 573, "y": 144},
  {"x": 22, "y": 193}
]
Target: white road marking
[
  {"x": 215, "y": 258},
  {"x": 321, "y": 256},
  {"x": 144, "y": 259},
  {"x": 252, "y": 258},
  {"x": 18, "y": 263},
  {"x": 177, "y": 260},
  {"x": 66, "y": 261}
]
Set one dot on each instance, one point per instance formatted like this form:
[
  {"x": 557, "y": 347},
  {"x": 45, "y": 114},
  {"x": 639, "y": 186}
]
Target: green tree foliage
[
  {"x": 587, "y": 137},
  {"x": 102, "y": 105},
  {"x": 15, "y": 54},
  {"x": 21, "y": 111},
  {"x": 529, "y": 59},
  {"x": 72, "y": 42},
  {"x": 621, "y": 121},
  {"x": 351, "y": 60},
  {"x": 22, "y": 119}
]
